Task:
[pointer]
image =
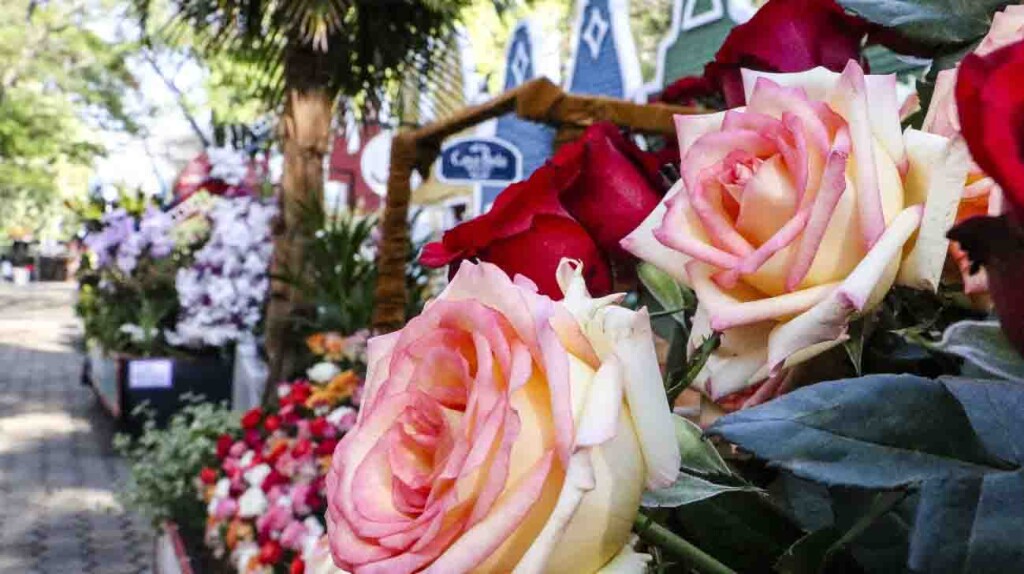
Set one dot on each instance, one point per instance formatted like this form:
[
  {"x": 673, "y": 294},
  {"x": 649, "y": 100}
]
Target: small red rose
[
  {"x": 208, "y": 475},
  {"x": 271, "y": 552},
  {"x": 224, "y": 443},
  {"x": 297, "y": 566},
  {"x": 272, "y": 423},
  {"x": 318, "y": 426},
  {"x": 326, "y": 448},
  {"x": 302, "y": 448},
  {"x": 252, "y": 418},
  {"x": 253, "y": 439}
]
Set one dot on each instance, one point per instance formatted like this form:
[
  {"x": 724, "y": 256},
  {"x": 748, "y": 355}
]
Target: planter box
[{"x": 123, "y": 383}]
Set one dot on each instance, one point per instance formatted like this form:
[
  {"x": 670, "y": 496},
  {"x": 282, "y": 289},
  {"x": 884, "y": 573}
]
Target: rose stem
[{"x": 656, "y": 534}]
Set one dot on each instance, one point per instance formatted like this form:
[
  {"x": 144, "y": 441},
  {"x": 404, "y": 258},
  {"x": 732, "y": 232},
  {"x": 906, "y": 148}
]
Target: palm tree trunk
[{"x": 305, "y": 136}]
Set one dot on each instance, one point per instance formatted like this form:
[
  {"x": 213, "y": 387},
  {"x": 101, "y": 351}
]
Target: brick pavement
[{"x": 58, "y": 473}]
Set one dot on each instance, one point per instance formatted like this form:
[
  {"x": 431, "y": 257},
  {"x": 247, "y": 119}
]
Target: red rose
[
  {"x": 297, "y": 566},
  {"x": 326, "y": 448},
  {"x": 224, "y": 443},
  {"x": 208, "y": 475},
  {"x": 273, "y": 479},
  {"x": 272, "y": 423},
  {"x": 300, "y": 392},
  {"x": 271, "y": 552},
  {"x": 253, "y": 439},
  {"x": 302, "y": 448},
  {"x": 991, "y": 104},
  {"x": 278, "y": 450},
  {"x": 318, "y": 426},
  {"x": 591, "y": 194},
  {"x": 252, "y": 418},
  {"x": 783, "y": 36}
]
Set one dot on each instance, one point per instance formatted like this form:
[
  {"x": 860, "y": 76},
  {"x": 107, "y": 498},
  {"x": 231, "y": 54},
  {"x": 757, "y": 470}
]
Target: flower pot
[
  {"x": 162, "y": 384},
  {"x": 123, "y": 383}
]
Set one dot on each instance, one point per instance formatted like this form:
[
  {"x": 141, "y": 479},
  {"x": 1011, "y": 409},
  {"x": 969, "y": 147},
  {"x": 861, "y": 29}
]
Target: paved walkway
[{"x": 58, "y": 473}]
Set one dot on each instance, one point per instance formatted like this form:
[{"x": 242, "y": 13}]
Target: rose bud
[
  {"x": 302, "y": 448},
  {"x": 297, "y": 566},
  {"x": 326, "y": 448},
  {"x": 318, "y": 427}
]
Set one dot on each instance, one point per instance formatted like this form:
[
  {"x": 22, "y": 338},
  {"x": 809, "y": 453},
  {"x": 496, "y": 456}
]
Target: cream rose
[
  {"x": 981, "y": 195},
  {"x": 501, "y": 431},
  {"x": 794, "y": 214}
]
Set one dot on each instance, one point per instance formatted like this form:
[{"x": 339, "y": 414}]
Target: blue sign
[
  {"x": 604, "y": 61},
  {"x": 480, "y": 160},
  {"x": 535, "y": 140}
]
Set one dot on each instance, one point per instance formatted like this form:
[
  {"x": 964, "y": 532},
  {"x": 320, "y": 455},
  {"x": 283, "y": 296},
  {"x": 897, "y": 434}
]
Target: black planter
[{"x": 124, "y": 383}]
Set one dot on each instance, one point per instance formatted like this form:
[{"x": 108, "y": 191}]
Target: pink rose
[
  {"x": 982, "y": 196},
  {"x": 225, "y": 508},
  {"x": 502, "y": 430},
  {"x": 274, "y": 519},
  {"x": 793, "y": 215},
  {"x": 293, "y": 535}
]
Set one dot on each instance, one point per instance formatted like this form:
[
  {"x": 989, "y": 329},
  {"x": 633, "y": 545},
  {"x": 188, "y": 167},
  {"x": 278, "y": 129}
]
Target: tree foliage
[{"x": 60, "y": 81}]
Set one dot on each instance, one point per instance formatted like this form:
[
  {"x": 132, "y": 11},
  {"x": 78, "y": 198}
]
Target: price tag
[{"x": 150, "y": 374}]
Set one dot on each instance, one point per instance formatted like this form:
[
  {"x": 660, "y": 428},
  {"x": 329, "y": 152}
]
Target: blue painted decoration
[
  {"x": 604, "y": 61},
  {"x": 481, "y": 160}
]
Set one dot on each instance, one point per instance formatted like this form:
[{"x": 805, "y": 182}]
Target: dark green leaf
[
  {"x": 808, "y": 555},
  {"x": 975, "y": 524},
  {"x": 688, "y": 489},
  {"x": 742, "y": 529},
  {"x": 983, "y": 344},
  {"x": 666, "y": 291},
  {"x": 881, "y": 431},
  {"x": 931, "y": 23},
  {"x": 698, "y": 454}
]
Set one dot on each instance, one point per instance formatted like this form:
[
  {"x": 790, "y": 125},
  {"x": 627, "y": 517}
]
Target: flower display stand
[{"x": 123, "y": 383}]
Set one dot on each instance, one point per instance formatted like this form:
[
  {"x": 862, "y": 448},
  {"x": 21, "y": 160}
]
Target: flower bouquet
[
  {"x": 266, "y": 497},
  {"x": 798, "y": 269}
]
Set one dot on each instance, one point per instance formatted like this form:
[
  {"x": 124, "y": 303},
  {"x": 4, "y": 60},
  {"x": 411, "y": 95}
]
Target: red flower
[
  {"x": 300, "y": 392},
  {"x": 326, "y": 448},
  {"x": 272, "y": 423},
  {"x": 302, "y": 448},
  {"x": 318, "y": 426},
  {"x": 783, "y": 36},
  {"x": 224, "y": 443},
  {"x": 991, "y": 107},
  {"x": 208, "y": 475},
  {"x": 278, "y": 450},
  {"x": 273, "y": 479},
  {"x": 252, "y": 418},
  {"x": 297, "y": 567},
  {"x": 253, "y": 439},
  {"x": 271, "y": 552},
  {"x": 591, "y": 194}
]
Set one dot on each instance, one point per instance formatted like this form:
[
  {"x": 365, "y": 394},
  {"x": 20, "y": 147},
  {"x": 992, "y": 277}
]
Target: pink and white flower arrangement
[{"x": 266, "y": 499}]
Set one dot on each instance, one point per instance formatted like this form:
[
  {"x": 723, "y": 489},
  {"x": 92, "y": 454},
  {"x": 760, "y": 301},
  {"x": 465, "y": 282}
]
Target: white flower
[
  {"x": 257, "y": 474},
  {"x": 222, "y": 489},
  {"x": 322, "y": 372},
  {"x": 252, "y": 503},
  {"x": 339, "y": 413}
]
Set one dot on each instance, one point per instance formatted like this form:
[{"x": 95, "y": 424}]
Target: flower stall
[
  {"x": 778, "y": 335},
  {"x": 172, "y": 292}
]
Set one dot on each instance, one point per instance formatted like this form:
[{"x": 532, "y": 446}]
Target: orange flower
[
  {"x": 338, "y": 389},
  {"x": 315, "y": 343}
]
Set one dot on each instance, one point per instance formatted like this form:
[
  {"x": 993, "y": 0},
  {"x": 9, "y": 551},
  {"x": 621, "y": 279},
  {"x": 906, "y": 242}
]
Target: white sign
[{"x": 150, "y": 374}]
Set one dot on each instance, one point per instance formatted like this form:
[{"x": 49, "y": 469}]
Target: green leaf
[
  {"x": 688, "y": 489},
  {"x": 666, "y": 291},
  {"x": 881, "y": 431},
  {"x": 698, "y": 454},
  {"x": 984, "y": 345},
  {"x": 930, "y": 23},
  {"x": 975, "y": 524}
]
